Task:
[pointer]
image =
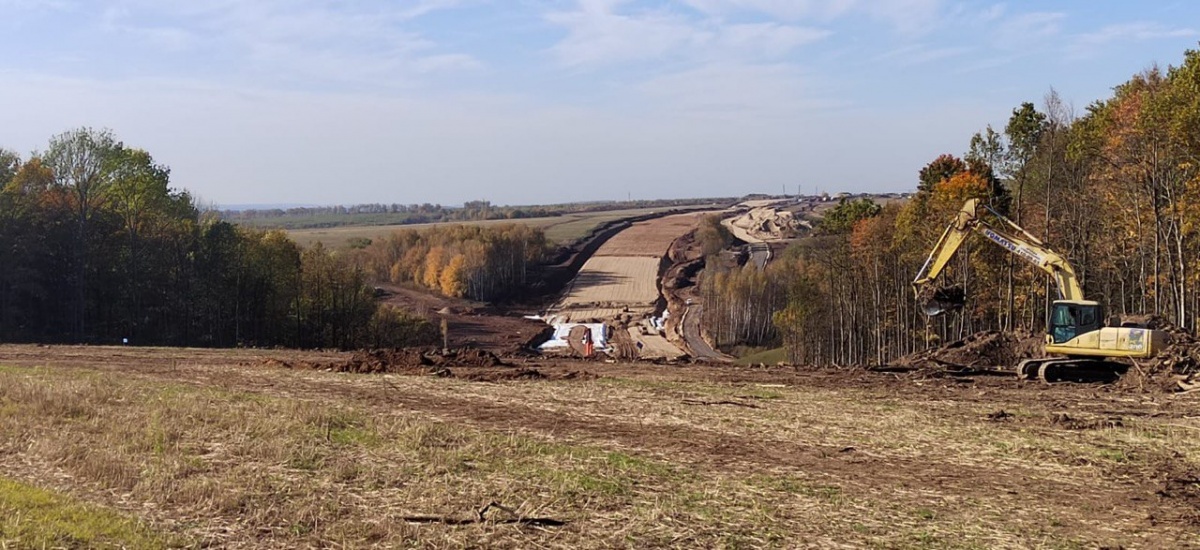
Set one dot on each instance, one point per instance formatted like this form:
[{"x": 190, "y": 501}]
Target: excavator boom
[{"x": 1014, "y": 239}]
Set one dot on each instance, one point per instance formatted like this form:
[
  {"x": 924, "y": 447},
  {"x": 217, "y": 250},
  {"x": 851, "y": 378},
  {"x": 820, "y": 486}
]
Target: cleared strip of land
[
  {"x": 611, "y": 283},
  {"x": 651, "y": 237}
]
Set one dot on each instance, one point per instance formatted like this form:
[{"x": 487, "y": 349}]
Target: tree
[
  {"x": 841, "y": 218},
  {"x": 942, "y": 168},
  {"x": 10, "y": 163},
  {"x": 82, "y": 163},
  {"x": 1024, "y": 133}
]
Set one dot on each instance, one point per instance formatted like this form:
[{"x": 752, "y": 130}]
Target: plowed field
[
  {"x": 650, "y": 238},
  {"x": 614, "y": 281}
]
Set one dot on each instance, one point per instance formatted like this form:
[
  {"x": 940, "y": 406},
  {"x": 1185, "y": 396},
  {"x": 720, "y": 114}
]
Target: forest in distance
[
  {"x": 98, "y": 248},
  {"x": 1114, "y": 188}
]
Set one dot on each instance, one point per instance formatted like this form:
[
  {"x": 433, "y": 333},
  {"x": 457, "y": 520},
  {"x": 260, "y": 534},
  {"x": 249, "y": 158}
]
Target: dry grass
[
  {"x": 251, "y": 457},
  {"x": 563, "y": 229},
  {"x": 238, "y": 469}
]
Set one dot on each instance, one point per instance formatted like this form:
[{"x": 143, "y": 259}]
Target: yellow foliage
[
  {"x": 453, "y": 281},
  {"x": 431, "y": 276}
]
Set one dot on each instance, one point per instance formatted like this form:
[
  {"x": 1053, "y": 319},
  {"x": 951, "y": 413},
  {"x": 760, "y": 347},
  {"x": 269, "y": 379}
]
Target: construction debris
[
  {"x": 987, "y": 350},
  {"x": 1176, "y": 368},
  {"x": 466, "y": 364}
]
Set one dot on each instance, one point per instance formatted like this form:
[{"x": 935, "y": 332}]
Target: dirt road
[
  {"x": 695, "y": 342},
  {"x": 620, "y": 455},
  {"x": 760, "y": 254}
]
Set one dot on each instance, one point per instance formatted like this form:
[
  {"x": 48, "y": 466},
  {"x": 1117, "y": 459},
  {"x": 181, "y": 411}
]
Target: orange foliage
[{"x": 951, "y": 193}]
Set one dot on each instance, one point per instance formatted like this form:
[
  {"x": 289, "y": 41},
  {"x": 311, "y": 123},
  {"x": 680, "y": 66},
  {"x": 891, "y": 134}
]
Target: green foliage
[
  {"x": 1024, "y": 132},
  {"x": 942, "y": 168},
  {"x": 841, "y": 218},
  {"x": 97, "y": 247}
]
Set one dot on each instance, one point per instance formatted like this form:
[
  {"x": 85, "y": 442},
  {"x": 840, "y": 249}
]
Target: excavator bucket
[{"x": 936, "y": 301}]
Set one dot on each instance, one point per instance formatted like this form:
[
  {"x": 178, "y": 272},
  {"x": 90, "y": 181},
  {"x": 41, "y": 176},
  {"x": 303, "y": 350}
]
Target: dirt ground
[
  {"x": 593, "y": 454},
  {"x": 614, "y": 281},
  {"x": 619, "y": 285},
  {"x": 650, "y": 238},
  {"x": 471, "y": 324}
]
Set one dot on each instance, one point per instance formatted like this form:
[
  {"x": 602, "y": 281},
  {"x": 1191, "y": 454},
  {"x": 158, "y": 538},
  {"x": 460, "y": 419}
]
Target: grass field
[
  {"x": 559, "y": 229},
  {"x": 213, "y": 448}
]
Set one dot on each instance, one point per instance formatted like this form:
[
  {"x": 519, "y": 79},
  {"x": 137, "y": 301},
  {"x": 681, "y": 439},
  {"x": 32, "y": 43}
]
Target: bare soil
[
  {"x": 471, "y": 324},
  {"x": 652, "y": 237}
]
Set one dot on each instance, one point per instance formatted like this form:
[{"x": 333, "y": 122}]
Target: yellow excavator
[{"x": 1077, "y": 328}]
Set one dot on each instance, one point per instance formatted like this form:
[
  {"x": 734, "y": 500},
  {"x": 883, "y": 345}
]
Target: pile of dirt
[
  {"x": 767, "y": 224},
  {"x": 467, "y": 364},
  {"x": 381, "y": 361},
  {"x": 406, "y": 360},
  {"x": 982, "y": 351},
  {"x": 1175, "y": 368}
]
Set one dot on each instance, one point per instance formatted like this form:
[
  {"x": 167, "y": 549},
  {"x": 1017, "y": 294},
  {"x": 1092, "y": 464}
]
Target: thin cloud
[
  {"x": 360, "y": 44},
  {"x": 1025, "y": 30},
  {"x": 908, "y": 17},
  {"x": 770, "y": 90},
  {"x": 1090, "y": 44},
  {"x": 599, "y": 33},
  {"x": 917, "y": 54}
]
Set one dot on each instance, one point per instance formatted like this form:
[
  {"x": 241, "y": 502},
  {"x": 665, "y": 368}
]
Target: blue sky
[{"x": 538, "y": 101}]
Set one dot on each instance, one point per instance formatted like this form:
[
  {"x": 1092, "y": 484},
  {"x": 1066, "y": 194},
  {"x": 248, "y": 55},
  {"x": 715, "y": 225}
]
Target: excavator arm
[{"x": 1011, "y": 238}]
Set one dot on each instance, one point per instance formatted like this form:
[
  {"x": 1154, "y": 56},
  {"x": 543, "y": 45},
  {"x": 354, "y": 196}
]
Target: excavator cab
[{"x": 1070, "y": 318}]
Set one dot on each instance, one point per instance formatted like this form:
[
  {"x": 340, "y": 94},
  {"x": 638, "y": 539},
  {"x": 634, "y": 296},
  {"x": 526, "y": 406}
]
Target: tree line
[
  {"x": 1114, "y": 188},
  {"x": 482, "y": 263},
  {"x": 96, "y": 246}
]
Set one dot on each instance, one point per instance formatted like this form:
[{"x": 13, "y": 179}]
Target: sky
[{"x": 549, "y": 101}]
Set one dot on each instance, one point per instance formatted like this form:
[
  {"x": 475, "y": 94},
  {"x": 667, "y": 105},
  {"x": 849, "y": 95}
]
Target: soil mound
[
  {"x": 987, "y": 350},
  {"x": 1175, "y": 368},
  {"x": 467, "y": 364},
  {"x": 406, "y": 360},
  {"x": 766, "y": 223}
]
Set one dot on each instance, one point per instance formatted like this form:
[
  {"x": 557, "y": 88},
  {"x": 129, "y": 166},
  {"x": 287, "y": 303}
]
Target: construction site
[{"x": 607, "y": 418}]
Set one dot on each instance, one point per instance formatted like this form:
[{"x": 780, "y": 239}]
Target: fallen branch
[
  {"x": 480, "y": 517},
  {"x": 722, "y": 402}
]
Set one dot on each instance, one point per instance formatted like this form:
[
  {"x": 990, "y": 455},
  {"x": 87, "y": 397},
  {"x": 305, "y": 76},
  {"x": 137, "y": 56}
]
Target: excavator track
[{"x": 1070, "y": 369}]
